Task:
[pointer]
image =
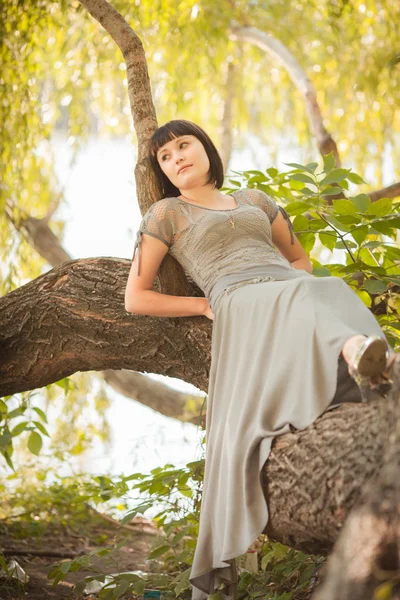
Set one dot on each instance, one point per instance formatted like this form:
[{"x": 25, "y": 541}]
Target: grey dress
[{"x": 277, "y": 335}]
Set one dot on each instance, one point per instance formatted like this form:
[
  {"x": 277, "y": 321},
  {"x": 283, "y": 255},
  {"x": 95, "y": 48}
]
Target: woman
[{"x": 277, "y": 335}]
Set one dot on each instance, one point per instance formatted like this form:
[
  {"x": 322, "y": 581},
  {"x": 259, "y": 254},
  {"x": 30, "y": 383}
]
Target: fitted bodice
[{"x": 211, "y": 244}]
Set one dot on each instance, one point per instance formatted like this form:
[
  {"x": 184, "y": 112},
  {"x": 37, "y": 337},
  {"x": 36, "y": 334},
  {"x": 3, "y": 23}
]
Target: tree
[{"x": 67, "y": 289}]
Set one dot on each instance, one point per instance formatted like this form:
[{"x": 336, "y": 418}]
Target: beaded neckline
[{"x": 214, "y": 209}]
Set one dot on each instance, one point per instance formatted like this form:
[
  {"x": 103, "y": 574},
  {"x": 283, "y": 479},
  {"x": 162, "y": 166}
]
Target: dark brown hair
[{"x": 177, "y": 128}]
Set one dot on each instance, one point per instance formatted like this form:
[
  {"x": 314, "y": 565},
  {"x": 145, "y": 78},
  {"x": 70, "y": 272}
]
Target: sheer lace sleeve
[
  {"x": 270, "y": 207},
  {"x": 159, "y": 222}
]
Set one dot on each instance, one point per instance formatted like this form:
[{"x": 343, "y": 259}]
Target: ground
[{"x": 37, "y": 554}]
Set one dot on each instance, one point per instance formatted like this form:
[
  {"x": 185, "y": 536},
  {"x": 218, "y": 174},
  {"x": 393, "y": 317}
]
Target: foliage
[
  {"x": 60, "y": 72},
  {"x": 284, "y": 574},
  {"x": 25, "y": 417},
  {"x": 365, "y": 231}
]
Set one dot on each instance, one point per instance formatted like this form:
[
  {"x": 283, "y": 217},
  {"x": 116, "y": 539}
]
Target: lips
[{"x": 184, "y": 168}]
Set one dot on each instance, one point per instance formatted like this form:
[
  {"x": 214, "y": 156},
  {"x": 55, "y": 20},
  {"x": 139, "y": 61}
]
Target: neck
[{"x": 202, "y": 195}]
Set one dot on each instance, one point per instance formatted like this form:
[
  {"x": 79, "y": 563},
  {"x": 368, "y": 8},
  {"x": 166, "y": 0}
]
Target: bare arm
[
  {"x": 294, "y": 253},
  {"x": 142, "y": 300}
]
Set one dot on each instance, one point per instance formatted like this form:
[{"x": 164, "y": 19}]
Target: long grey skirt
[{"x": 275, "y": 349}]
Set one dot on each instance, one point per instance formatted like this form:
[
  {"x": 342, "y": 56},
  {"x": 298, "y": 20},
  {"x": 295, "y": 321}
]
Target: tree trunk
[{"x": 365, "y": 563}]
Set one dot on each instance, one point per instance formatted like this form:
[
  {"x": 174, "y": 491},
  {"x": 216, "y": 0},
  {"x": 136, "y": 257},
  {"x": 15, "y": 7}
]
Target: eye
[
  {"x": 164, "y": 156},
  {"x": 183, "y": 143}
]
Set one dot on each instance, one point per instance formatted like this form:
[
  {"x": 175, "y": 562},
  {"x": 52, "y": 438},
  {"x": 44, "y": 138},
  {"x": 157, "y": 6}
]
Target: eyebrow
[{"x": 176, "y": 141}]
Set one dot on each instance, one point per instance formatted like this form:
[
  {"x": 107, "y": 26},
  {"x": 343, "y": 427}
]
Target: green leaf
[
  {"x": 344, "y": 207},
  {"x": 8, "y": 460},
  {"x": 305, "y": 191},
  {"x": 3, "y": 407},
  {"x": 340, "y": 245},
  {"x": 159, "y": 551},
  {"x": 328, "y": 240},
  {"x": 272, "y": 172},
  {"x": 298, "y": 186},
  {"x": 307, "y": 240},
  {"x": 19, "y": 428},
  {"x": 365, "y": 297},
  {"x": 321, "y": 272},
  {"x": 392, "y": 253},
  {"x": 129, "y": 516},
  {"x": 360, "y": 234},
  {"x": 311, "y": 166},
  {"x": 182, "y": 581},
  {"x": 329, "y": 162},
  {"x": 349, "y": 219},
  {"x": 41, "y": 414},
  {"x": 35, "y": 443},
  {"x": 41, "y": 428},
  {"x": 380, "y": 207},
  {"x": 337, "y": 224},
  {"x": 178, "y": 537},
  {"x": 121, "y": 589},
  {"x": 307, "y": 574},
  {"x": 296, "y": 208},
  {"x": 316, "y": 224},
  {"x": 302, "y": 177},
  {"x": 65, "y": 566},
  {"x": 362, "y": 202},
  {"x": 355, "y": 178},
  {"x": 5, "y": 441},
  {"x": 372, "y": 244},
  {"x": 296, "y": 166},
  {"x": 331, "y": 191},
  {"x": 300, "y": 223},
  {"x": 63, "y": 383},
  {"x": 17, "y": 412},
  {"x": 383, "y": 227},
  {"x": 374, "y": 286},
  {"x": 335, "y": 176}
]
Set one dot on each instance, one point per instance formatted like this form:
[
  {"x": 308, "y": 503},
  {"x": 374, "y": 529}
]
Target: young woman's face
[{"x": 185, "y": 162}]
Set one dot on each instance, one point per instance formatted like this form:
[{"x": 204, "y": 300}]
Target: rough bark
[
  {"x": 365, "y": 563},
  {"x": 73, "y": 319},
  {"x": 153, "y": 394}
]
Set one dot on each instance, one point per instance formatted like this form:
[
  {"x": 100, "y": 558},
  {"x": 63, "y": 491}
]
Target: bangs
[{"x": 170, "y": 131}]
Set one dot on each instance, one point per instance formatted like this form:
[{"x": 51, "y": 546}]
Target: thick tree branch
[
  {"x": 153, "y": 394},
  {"x": 73, "y": 319},
  {"x": 279, "y": 52},
  {"x": 188, "y": 408},
  {"x": 325, "y": 141},
  {"x": 392, "y": 191}
]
